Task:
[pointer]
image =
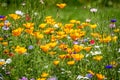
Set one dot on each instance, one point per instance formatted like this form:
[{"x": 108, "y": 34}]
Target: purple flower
[
  {"x": 89, "y": 75},
  {"x": 75, "y": 42},
  {"x": 52, "y": 78},
  {"x": 109, "y": 66},
  {"x": 8, "y": 73},
  {"x": 23, "y": 78},
  {"x": 74, "y": 52},
  {"x": 113, "y": 20},
  {"x": 112, "y": 25},
  {"x": 30, "y": 47},
  {"x": 2, "y": 16},
  {"x": 5, "y": 28}
]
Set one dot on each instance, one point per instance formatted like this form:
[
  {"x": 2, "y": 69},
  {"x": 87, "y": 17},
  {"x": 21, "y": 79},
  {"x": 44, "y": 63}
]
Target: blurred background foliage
[{"x": 87, "y": 3}]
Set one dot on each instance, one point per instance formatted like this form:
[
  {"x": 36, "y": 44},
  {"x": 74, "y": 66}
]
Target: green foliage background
[{"x": 108, "y": 3}]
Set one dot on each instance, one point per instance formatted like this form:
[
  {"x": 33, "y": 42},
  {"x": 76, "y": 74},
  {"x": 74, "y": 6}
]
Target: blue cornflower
[
  {"x": 85, "y": 40},
  {"x": 2, "y": 16},
  {"x": 109, "y": 66},
  {"x": 30, "y": 47},
  {"x": 89, "y": 75},
  {"x": 113, "y": 20}
]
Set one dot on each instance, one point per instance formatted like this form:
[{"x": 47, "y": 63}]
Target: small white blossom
[
  {"x": 96, "y": 52},
  {"x": 35, "y": 13},
  {"x": 46, "y": 66},
  {"x": 23, "y": 4},
  {"x": 88, "y": 20},
  {"x": 81, "y": 77},
  {"x": 41, "y": 1},
  {"x": 93, "y": 10},
  {"x": 8, "y": 61},
  {"x": 97, "y": 47},
  {"x": 68, "y": 37},
  {"x": 119, "y": 70},
  {"x": 19, "y": 12},
  {"x": 56, "y": 26},
  {"x": 119, "y": 50}
]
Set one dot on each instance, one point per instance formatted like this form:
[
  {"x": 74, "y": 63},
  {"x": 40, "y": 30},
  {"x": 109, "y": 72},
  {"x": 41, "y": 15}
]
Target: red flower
[
  {"x": 92, "y": 42},
  {"x": 27, "y": 17},
  {"x": 11, "y": 54}
]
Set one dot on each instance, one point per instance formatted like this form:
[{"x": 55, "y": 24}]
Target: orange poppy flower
[{"x": 61, "y": 5}]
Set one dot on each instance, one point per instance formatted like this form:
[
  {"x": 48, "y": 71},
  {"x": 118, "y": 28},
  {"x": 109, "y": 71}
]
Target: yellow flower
[
  {"x": 77, "y": 22},
  {"x": 100, "y": 76},
  {"x": 29, "y": 25},
  {"x": 53, "y": 38},
  {"x": 49, "y": 30},
  {"x": 5, "y": 43},
  {"x": 93, "y": 26},
  {"x": 1, "y": 38},
  {"x": 85, "y": 24},
  {"x": 41, "y": 79},
  {"x": 76, "y": 34},
  {"x": 71, "y": 62},
  {"x": 17, "y": 32},
  {"x": 38, "y": 35},
  {"x": 45, "y": 48},
  {"x": 56, "y": 62},
  {"x": 77, "y": 48},
  {"x": 14, "y": 16},
  {"x": 51, "y": 53},
  {"x": 114, "y": 38},
  {"x": 69, "y": 26},
  {"x": 62, "y": 56},
  {"x": 29, "y": 31},
  {"x": 63, "y": 46},
  {"x": 96, "y": 35},
  {"x": 107, "y": 39},
  {"x": 44, "y": 75},
  {"x": 116, "y": 30},
  {"x": 1, "y": 24},
  {"x": 87, "y": 48},
  {"x": 42, "y": 25},
  {"x": 52, "y": 44},
  {"x": 77, "y": 56},
  {"x": 73, "y": 21},
  {"x": 2, "y": 63},
  {"x": 98, "y": 58},
  {"x": 6, "y": 51},
  {"x": 60, "y": 33},
  {"x": 49, "y": 20},
  {"x": 20, "y": 50},
  {"x": 91, "y": 72},
  {"x": 114, "y": 63},
  {"x": 69, "y": 50},
  {"x": 61, "y": 5}
]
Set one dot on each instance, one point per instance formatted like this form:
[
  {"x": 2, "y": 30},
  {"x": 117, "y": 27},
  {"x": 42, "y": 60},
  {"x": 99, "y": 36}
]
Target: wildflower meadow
[{"x": 59, "y": 42}]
